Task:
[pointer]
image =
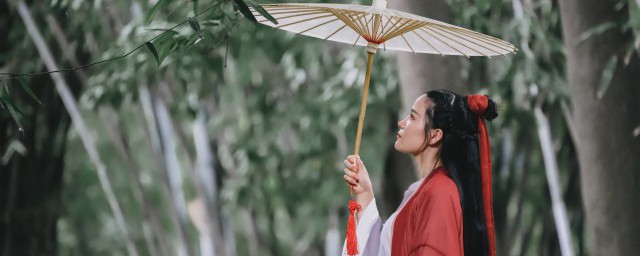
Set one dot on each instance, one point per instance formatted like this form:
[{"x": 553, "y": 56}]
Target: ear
[{"x": 435, "y": 136}]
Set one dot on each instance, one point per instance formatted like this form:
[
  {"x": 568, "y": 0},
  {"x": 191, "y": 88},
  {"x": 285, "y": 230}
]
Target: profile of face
[{"x": 411, "y": 136}]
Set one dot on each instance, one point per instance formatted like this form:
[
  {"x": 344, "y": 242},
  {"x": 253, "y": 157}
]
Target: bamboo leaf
[
  {"x": 262, "y": 12},
  {"x": 153, "y": 10},
  {"x": 211, "y": 23},
  {"x": 195, "y": 26},
  {"x": 596, "y": 30},
  {"x": 606, "y": 76},
  {"x": 15, "y": 146},
  {"x": 153, "y": 51},
  {"x": 27, "y": 89},
  {"x": 13, "y": 111},
  {"x": 244, "y": 9},
  {"x": 195, "y": 7}
]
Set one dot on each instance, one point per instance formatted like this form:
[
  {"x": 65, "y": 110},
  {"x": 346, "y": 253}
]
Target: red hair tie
[{"x": 478, "y": 105}]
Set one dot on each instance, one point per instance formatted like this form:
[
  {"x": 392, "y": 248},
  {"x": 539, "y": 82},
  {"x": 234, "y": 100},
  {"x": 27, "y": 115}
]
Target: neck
[{"x": 427, "y": 161}]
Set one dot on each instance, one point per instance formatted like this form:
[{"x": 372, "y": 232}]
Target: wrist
[{"x": 364, "y": 199}]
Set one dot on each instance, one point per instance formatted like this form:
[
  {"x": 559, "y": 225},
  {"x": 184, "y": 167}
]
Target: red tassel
[{"x": 352, "y": 240}]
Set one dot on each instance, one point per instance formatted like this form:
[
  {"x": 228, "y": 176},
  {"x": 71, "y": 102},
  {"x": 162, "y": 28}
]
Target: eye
[{"x": 411, "y": 117}]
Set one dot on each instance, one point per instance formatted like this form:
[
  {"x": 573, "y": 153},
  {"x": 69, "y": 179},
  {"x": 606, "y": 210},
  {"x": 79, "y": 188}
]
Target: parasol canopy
[{"x": 391, "y": 29}]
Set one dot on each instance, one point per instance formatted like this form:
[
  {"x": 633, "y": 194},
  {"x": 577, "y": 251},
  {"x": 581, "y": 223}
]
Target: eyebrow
[{"x": 414, "y": 111}]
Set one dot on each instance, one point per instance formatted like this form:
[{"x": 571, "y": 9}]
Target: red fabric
[
  {"x": 478, "y": 104},
  {"x": 430, "y": 223}
]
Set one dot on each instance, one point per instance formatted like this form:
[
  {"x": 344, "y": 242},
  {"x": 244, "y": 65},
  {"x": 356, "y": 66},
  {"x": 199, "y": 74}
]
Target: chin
[{"x": 398, "y": 148}]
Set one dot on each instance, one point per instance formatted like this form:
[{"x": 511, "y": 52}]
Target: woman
[{"x": 444, "y": 212}]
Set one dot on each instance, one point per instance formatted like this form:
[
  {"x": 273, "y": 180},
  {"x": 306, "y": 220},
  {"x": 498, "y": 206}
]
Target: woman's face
[{"x": 411, "y": 136}]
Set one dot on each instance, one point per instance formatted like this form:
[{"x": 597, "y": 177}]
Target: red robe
[{"x": 431, "y": 221}]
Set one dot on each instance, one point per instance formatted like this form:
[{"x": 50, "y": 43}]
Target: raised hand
[{"x": 356, "y": 175}]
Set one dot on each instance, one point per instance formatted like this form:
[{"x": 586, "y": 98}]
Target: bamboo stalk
[
  {"x": 551, "y": 169},
  {"x": 149, "y": 211},
  {"x": 147, "y": 105},
  {"x": 206, "y": 186}
]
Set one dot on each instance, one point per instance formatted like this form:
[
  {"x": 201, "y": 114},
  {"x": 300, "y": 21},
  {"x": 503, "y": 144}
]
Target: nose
[{"x": 401, "y": 123}]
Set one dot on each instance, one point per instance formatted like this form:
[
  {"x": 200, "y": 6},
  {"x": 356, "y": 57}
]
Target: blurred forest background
[{"x": 231, "y": 142}]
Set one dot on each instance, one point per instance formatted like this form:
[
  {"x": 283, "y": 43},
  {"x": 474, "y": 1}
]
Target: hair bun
[{"x": 492, "y": 111}]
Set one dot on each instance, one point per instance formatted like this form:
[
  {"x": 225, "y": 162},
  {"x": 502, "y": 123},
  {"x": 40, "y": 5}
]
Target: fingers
[
  {"x": 351, "y": 174},
  {"x": 350, "y": 180},
  {"x": 350, "y": 164},
  {"x": 351, "y": 159}
]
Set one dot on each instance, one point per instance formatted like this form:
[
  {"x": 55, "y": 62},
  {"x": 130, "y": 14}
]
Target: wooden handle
[{"x": 363, "y": 105}]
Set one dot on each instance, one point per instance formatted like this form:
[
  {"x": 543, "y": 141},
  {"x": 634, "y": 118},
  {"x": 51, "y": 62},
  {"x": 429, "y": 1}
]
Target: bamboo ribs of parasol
[{"x": 374, "y": 26}]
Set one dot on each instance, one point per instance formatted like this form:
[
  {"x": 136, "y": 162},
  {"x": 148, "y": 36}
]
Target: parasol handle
[{"x": 363, "y": 106}]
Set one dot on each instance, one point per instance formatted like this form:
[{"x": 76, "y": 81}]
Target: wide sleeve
[
  {"x": 368, "y": 229},
  {"x": 437, "y": 224}
]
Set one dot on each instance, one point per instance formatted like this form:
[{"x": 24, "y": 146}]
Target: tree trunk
[
  {"x": 418, "y": 73},
  {"x": 607, "y": 149}
]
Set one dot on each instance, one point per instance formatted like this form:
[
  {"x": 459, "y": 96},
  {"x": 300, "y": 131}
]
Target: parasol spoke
[
  {"x": 466, "y": 39},
  {"x": 305, "y": 20},
  {"x": 336, "y": 31},
  {"x": 425, "y": 29},
  {"x": 350, "y": 22},
  {"x": 293, "y": 16},
  {"x": 405, "y": 40},
  {"x": 287, "y": 11},
  {"x": 319, "y": 25},
  {"x": 408, "y": 26},
  {"x": 363, "y": 27},
  {"x": 486, "y": 39},
  {"x": 384, "y": 26},
  {"x": 434, "y": 30},
  {"x": 356, "y": 41},
  {"x": 393, "y": 25},
  {"x": 426, "y": 41},
  {"x": 479, "y": 35}
]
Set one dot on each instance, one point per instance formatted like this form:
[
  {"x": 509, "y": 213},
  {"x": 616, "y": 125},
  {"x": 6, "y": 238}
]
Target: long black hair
[{"x": 460, "y": 156}]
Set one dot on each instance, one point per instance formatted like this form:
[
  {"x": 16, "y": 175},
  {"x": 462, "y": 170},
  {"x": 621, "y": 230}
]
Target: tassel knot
[
  {"x": 352, "y": 240},
  {"x": 353, "y": 206}
]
